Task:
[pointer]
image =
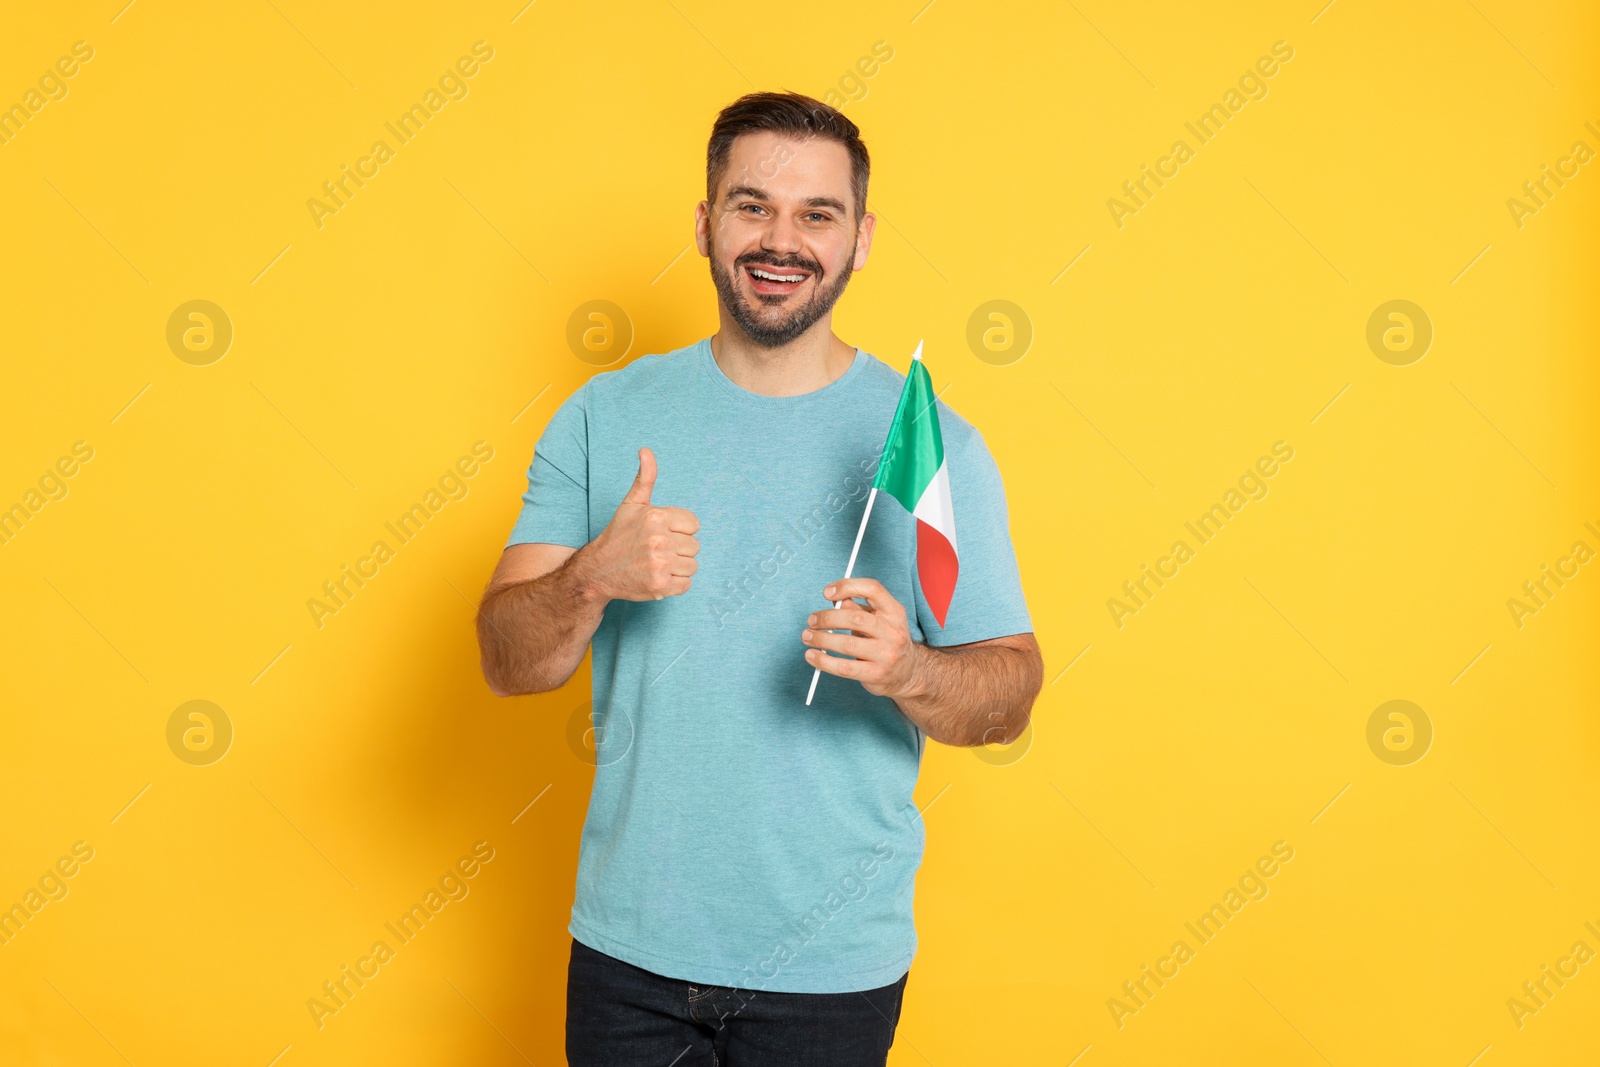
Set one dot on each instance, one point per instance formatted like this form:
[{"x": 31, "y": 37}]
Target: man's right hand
[{"x": 647, "y": 551}]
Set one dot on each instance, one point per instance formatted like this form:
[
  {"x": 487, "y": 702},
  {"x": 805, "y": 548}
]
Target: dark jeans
[{"x": 619, "y": 1015}]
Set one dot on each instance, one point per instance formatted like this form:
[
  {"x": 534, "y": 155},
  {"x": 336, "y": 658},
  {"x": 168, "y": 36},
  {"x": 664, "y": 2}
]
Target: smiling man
[{"x": 745, "y": 875}]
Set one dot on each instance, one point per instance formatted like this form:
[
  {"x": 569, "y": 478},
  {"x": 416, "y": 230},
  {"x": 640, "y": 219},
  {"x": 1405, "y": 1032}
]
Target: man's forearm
[
  {"x": 973, "y": 696},
  {"x": 532, "y": 634}
]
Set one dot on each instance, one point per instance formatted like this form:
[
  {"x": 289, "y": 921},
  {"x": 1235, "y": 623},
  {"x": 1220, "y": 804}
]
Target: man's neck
[{"x": 804, "y": 365}]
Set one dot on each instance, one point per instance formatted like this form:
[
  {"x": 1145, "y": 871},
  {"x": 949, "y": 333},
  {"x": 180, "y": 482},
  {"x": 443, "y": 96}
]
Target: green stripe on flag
[{"x": 914, "y": 450}]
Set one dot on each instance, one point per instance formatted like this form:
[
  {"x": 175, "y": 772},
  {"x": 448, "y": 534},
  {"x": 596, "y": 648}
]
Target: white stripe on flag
[{"x": 934, "y": 507}]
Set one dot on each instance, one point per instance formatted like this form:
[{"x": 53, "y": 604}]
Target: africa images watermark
[
  {"x": 737, "y": 593},
  {"x": 852, "y": 85},
  {"x": 51, "y": 486},
  {"x": 52, "y": 87},
  {"x": 199, "y": 732},
  {"x": 1252, "y": 886},
  {"x": 852, "y": 886},
  {"x": 52, "y": 886},
  {"x": 1538, "y": 592},
  {"x": 1536, "y": 992},
  {"x": 1252, "y": 485},
  {"x": 452, "y": 485},
  {"x": 1252, "y": 86},
  {"x": 1538, "y": 192},
  {"x": 453, "y": 886},
  {"x": 452, "y": 85}
]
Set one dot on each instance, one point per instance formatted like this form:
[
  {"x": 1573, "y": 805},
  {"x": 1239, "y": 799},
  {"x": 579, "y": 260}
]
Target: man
[{"x": 744, "y": 890}]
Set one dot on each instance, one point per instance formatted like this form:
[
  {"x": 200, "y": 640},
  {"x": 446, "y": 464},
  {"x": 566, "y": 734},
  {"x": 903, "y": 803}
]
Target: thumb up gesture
[{"x": 647, "y": 550}]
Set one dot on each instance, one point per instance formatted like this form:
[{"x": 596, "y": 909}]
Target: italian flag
[{"x": 913, "y": 471}]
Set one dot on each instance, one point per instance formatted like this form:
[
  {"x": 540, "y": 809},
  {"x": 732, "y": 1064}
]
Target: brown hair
[{"x": 790, "y": 113}]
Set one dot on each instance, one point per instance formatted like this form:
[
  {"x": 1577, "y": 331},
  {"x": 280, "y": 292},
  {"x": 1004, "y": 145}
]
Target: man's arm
[
  {"x": 975, "y": 694},
  {"x": 545, "y": 602},
  {"x": 536, "y": 619}
]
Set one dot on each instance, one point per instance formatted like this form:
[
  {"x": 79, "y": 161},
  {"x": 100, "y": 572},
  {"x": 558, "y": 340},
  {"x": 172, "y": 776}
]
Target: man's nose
[{"x": 782, "y": 236}]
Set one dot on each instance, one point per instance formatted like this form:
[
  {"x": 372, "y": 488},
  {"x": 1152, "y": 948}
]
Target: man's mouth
[{"x": 775, "y": 280}]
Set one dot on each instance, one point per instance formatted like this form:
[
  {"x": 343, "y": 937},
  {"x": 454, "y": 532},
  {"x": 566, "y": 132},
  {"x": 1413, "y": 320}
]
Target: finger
[
  {"x": 677, "y": 587},
  {"x": 864, "y": 648},
  {"x": 853, "y": 618},
  {"x": 835, "y": 665},
  {"x": 868, "y": 589},
  {"x": 681, "y": 520},
  {"x": 645, "y": 480},
  {"x": 684, "y": 566},
  {"x": 683, "y": 544}
]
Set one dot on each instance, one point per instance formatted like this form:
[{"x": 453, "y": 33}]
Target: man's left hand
[{"x": 886, "y": 660}]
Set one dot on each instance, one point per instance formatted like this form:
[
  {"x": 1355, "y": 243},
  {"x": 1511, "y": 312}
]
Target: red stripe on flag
[{"x": 936, "y": 569}]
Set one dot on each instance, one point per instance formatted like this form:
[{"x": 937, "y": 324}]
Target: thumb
[{"x": 645, "y": 481}]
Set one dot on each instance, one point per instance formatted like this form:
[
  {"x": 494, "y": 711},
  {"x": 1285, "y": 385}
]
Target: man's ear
[
  {"x": 702, "y": 228},
  {"x": 864, "y": 232}
]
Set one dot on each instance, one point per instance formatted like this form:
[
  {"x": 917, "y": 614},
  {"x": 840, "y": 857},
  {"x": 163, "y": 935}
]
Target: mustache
[{"x": 795, "y": 263}]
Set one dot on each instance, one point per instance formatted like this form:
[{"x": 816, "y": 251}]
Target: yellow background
[{"x": 1226, "y": 315}]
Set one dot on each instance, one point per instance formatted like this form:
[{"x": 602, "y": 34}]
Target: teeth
[{"x": 768, "y": 276}]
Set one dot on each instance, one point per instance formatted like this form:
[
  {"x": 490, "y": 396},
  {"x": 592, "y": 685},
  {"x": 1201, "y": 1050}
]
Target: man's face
[{"x": 782, "y": 235}]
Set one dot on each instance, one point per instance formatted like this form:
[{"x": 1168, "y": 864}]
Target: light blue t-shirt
[{"x": 735, "y": 836}]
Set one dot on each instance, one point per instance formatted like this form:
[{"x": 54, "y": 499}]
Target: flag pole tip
[{"x": 917, "y": 355}]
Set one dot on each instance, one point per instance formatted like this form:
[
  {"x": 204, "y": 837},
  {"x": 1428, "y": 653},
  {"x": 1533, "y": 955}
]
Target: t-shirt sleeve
[
  {"x": 555, "y": 508},
  {"x": 988, "y": 600}
]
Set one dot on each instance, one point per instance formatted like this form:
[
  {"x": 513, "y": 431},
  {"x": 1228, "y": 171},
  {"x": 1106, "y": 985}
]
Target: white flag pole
[{"x": 817, "y": 672}]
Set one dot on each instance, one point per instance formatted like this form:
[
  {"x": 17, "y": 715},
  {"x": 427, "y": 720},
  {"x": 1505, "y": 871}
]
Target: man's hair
[{"x": 791, "y": 113}]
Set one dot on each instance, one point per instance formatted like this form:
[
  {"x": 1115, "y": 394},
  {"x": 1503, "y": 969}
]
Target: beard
[{"x": 766, "y": 324}]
